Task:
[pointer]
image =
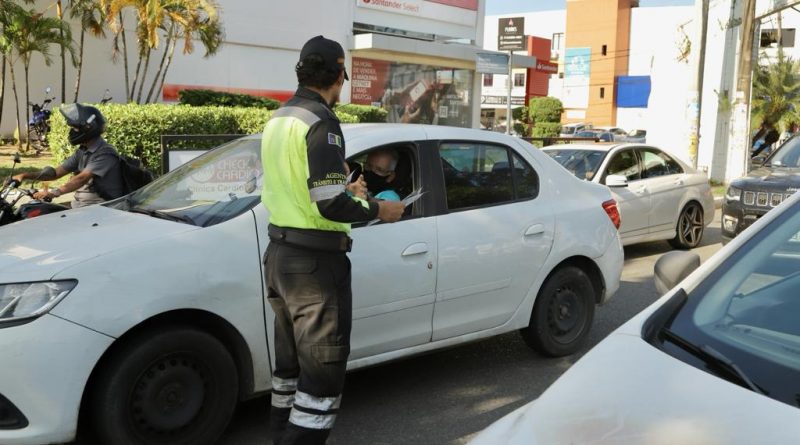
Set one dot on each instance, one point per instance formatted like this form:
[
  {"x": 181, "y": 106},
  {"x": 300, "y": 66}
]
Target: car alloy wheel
[{"x": 690, "y": 227}]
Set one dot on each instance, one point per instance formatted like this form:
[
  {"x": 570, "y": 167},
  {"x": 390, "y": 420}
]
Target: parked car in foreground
[
  {"x": 659, "y": 196},
  {"x": 714, "y": 361},
  {"x": 146, "y": 316},
  {"x": 751, "y": 197},
  {"x": 569, "y": 130}
]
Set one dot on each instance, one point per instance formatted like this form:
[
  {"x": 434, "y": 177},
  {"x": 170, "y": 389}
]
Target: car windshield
[
  {"x": 207, "y": 190},
  {"x": 787, "y": 155},
  {"x": 749, "y": 310},
  {"x": 581, "y": 163}
]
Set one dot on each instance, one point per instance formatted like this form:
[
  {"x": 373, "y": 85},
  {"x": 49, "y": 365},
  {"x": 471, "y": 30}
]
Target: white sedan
[
  {"x": 716, "y": 361},
  {"x": 659, "y": 196},
  {"x": 146, "y": 316}
]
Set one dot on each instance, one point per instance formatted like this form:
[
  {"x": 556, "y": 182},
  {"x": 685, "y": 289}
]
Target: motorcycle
[
  {"x": 11, "y": 194},
  {"x": 39, "y": 125}
]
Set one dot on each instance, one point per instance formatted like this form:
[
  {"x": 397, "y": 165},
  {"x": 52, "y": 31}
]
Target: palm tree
[
  {"x": 199, "y": 24},
  {"x": 31, "y": 32},
  {"x": 776, "y": 91},
  {"x": 185, "y": 19},
  {"x": 7, "y": 9},
  {"x": 92, "y": 19}
]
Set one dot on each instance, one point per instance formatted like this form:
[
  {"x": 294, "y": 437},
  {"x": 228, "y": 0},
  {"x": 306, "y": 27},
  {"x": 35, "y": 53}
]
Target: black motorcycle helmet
[{"x": 85, "y": 122}]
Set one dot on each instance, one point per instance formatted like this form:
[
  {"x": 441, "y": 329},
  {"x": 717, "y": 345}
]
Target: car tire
[
  {"x": 174, "y": 386},
  {"x": 690, "y": 227},
  {"x": 562, "y": 314}
]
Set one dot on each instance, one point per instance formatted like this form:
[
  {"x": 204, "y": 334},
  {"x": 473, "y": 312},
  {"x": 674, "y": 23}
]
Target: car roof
[{"x": 608, "y": 146}]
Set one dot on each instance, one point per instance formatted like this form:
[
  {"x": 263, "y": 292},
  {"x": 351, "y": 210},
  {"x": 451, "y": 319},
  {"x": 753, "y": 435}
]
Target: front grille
[
  {"x": 764, "y": 199},
  {"x": 749, "y": 198}
]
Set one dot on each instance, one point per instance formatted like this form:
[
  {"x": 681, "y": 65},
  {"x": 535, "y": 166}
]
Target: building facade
[{"x": 404, "y": 55}]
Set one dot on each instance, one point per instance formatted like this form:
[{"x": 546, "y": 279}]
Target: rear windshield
[{"x": 581, "y": 163}]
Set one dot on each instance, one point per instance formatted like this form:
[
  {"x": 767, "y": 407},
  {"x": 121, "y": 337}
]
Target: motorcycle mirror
[
  {"x": 17, "y": 159},
  {"x": 47, "y": 90}
]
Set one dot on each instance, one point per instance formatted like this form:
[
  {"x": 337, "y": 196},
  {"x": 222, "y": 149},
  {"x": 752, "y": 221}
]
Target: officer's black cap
[{"x": 330, "y": 51}]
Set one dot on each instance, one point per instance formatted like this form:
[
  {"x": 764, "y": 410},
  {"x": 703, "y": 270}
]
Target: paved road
[{"x": 447, "y": 397}]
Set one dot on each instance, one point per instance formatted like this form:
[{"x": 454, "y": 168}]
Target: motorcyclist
[{"x": 97, "y": 176}]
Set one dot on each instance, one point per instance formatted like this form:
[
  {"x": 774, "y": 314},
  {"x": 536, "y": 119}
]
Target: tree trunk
[
  {"x": 161, "y": 64},
  {"x": 144, "y": 74},
  {"x": 166, "y": 67},
  {"x": 26, "y": 66},
  {"x": 2, "y": 87},
  {"x": 780, "y": 33},
  {"x": 60, "y": 11},
  {"x": 16, "y": 99},
  {"x": 136, "y": 75},
  {"x": 80, "y": 65},
  {"x": 128, "y": 90}
]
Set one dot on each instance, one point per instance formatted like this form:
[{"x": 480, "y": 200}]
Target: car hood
[
  {"x": 38, "y": 248},
  {"x": 627, "y": 391},
  {"x": 770, "y": 178}
]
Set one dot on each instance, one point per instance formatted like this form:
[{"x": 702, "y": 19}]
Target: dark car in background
[{"x": 751, "y": 197}]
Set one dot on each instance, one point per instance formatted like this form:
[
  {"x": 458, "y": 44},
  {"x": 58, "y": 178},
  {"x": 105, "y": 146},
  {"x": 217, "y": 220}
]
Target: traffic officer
[{"x": 306, "y": 266}]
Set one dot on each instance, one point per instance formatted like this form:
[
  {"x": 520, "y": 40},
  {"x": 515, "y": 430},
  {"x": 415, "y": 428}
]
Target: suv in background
[
  {"x": 751, "y": 197},
  {"x": 569, "y": 130}
]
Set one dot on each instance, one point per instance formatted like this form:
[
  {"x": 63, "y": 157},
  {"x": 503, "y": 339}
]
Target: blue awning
[{"x": 633, "y": 91}]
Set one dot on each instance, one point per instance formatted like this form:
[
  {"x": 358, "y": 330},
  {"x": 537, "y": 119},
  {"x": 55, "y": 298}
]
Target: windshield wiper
[
  {"x": 163, "y": 215},
  {"x": 714, "y": 358}
]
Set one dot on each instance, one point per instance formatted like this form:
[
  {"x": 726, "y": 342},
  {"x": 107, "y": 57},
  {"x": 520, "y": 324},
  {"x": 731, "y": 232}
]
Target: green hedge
[
  {"x": 545, "y": 109},
  {"x": 136, "y": 130},
  {"x": 364, "y": 113},
  {"x": 546, "y": 129},
  {"x": 203, "y": 98}
]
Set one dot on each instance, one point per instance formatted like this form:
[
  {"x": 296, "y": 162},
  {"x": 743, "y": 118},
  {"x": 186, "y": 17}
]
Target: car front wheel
[
  {"x": 689, "y": 228},
  {"x": 174, "y": 386},
  {"x": 562, "y": 314}
]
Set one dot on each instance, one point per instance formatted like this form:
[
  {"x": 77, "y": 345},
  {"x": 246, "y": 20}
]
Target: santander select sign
[{"x": 410, "y": 7}]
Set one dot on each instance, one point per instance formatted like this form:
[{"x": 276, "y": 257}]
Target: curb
[{"x": 718, "y": 202}]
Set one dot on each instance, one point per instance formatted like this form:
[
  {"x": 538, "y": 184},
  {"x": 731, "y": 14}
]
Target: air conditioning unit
[{"x": 554, "y": 55}]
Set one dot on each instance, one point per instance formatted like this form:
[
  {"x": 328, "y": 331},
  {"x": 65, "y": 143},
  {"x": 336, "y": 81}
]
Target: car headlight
[
  {"x": 20, "y": 301},
  {"x": 733, "y": 193}
]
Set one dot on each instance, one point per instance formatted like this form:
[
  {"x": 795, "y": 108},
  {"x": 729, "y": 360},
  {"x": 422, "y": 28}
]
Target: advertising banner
[
  {"x": 577, "y": 70},
  {"x": 407, "y": 7},
  {"x": 413, "y": 93},
  {"x": 511, "y": 34}
]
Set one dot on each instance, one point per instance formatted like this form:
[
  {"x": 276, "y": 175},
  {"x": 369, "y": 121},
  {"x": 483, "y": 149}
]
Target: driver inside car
[{"x": 97, "y": 176}]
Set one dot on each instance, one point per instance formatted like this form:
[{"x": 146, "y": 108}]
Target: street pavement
[{"x": 447, "y": 397}]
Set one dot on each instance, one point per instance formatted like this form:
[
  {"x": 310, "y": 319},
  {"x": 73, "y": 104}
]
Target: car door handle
[
  {"x": 416, "y": 249},
  {"x": 642, "y": 189},
  {"x": 535, "y": 229},
  {"x": 679, "y": 181}
]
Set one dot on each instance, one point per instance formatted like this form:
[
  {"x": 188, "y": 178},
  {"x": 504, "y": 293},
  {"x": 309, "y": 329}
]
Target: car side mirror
[
  {"x": 672, "y": 268},
  {"x": 759, "y": 160},
  {"x": 616, "y": 181}
]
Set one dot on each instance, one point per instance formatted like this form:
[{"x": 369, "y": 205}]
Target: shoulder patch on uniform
[{"x": 335, "y": 139}]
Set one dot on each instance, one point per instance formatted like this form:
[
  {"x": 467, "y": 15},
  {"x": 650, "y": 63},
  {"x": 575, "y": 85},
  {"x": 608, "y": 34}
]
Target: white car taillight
[{"x": 611, "y": 209}]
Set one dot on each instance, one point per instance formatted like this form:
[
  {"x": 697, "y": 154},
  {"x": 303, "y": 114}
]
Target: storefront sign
[
  {"x": 511, "y": 34},
  {"x": 502, "y": 100},
  {"x": 412, "y": 93},
  {"x": 577, "y": 69},
  {"x": 491, "y": 63},
  {"x": 407, "y": 7},
  {"x": 546, "y": 67}
]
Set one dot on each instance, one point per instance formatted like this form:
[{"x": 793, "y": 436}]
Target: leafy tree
[
  {"x": 90, "y": 14},
  {"x": 776, "y": 92},
  {"x": 28, "y": 33},
  {"x": 8, "y": 8}
]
